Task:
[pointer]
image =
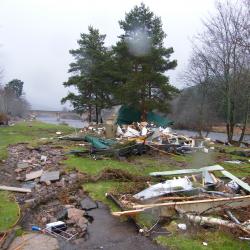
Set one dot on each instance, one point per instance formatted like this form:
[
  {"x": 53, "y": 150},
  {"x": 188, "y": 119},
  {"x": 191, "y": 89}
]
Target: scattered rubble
[{"x": 191, "y": 197}]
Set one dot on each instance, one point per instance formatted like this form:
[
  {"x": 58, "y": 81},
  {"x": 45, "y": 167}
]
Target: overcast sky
[{"x": 36, "y": 35}]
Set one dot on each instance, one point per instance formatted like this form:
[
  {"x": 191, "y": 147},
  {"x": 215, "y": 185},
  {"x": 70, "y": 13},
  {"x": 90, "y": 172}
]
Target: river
[{"x": 81, "y": 124}]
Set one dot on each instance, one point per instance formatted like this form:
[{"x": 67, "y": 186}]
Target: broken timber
[
  {"x": 237, "y": 180},
  {"x": 15, "y": 189},
  {"x": 199, "y": 206},
  {"x": 213, "y": 221},
  {"x": 188, "y": 171}
]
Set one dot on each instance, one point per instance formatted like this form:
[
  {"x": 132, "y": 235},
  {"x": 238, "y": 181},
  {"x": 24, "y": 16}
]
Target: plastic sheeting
[{"x": 128, "y": 115}]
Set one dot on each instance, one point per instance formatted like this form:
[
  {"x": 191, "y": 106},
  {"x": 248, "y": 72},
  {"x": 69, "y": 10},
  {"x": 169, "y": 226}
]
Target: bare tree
[{"x": 221, "y": 59}]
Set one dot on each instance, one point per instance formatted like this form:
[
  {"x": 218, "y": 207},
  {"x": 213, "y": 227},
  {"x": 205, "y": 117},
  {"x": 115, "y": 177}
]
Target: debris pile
[
  {"x": 45, "y": 192},
  {"x": 196, "y": 195},
  {"x": 135, "y": 139}
]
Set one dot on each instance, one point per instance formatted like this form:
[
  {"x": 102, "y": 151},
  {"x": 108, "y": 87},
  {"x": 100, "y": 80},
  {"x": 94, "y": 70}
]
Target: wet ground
[{"x": 109, "y": 233}]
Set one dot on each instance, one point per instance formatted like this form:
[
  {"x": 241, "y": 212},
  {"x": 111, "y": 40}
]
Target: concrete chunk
[
  {"x": 22, "y": 165},
  {"x": 33, "y": 175},
  {"x": 50, "y": 176},
  {"x": 88, "y": 204}
]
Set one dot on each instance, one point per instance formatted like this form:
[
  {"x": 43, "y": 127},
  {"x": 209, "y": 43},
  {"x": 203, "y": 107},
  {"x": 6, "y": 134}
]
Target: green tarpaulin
[
  {"x": 128, "y": 115},
  {"x": 98, "y": 142}
]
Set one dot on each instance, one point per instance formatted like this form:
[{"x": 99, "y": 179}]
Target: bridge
[{"x": 57, "y": 114}]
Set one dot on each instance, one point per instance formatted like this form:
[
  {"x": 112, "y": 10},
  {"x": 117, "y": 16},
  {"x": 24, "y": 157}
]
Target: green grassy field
[
  {"x": 27, "y": 132},
  {"x": 9, "y": 211}
]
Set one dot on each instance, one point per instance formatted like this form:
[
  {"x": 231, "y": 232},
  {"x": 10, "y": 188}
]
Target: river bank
[{"x": 218, "y": 133}]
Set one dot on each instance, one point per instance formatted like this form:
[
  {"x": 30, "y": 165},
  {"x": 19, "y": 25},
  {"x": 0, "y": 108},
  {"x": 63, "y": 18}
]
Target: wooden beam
[
  {"x": 15, "y": 189},
  {"x": 212, "y": 200}
]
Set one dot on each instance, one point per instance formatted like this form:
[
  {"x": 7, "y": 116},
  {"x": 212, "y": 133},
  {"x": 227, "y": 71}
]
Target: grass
[
  {"x": 93, "y": 167},
  {"x": 215, "y": 241},
  {"x": 97, "y": 191},
  {"x": 9, "y": 211},
  {"x": 27, "y": 132}
]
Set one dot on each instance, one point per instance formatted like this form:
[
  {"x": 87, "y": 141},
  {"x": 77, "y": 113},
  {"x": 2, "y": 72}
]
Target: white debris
[
  {"x": 144, "y": 131},
  {"x": 182, "y": 226},
  {"x": 233, "y": 162},
  {"x": 169, "y": 186},
  {"x": 131, "y": 132},
  {"x": 119, "y": 131}
]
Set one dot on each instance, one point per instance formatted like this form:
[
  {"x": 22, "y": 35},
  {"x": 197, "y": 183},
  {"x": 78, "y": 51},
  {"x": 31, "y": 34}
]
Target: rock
[
  {"x": 35, "y": 241},
  {"x": 22, "y": 165},
  {"x": 48, "y": 183},
  {"x": 88, "y": 204},
  {"x": 29, "y": 184},
  {"x": 68, "y": 206},
  {"x": 63, "y": 214},
  {"x": 75, "y": 214},
  {"x": 37, "y": 186},
  {"x": 53, "y": 219},
  {"x": 30, "y": 201},
  {"x": 50, "y": 176},
  {"x": 82, "y": 223},
  {"x": 70, "y": 222},
  {"x": 44, "y": 220},
  {"x": 73, "y": 175},
  {"x": 18, "y": 170},
  {"x": 60, "y": 183},
  {"x": 19, "y": 178}
]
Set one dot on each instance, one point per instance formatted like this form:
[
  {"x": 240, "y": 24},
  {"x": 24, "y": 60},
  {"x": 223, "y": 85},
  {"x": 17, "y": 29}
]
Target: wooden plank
[
  {"x": 188, "y": 171},
  {"x": 212, "y": 200},
  {"x": 241, "y": 183},
  {"x": 128, "y": 212},
  {"x": 199, "y": 206},
  {"x": 15, "y": 189}
]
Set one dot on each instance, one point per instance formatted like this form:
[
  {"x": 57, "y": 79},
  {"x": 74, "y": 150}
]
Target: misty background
[{"x": 36, "y": 36}]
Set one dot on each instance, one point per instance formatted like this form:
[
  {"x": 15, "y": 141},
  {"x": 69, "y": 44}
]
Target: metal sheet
[{"x": 170, "y": 186}]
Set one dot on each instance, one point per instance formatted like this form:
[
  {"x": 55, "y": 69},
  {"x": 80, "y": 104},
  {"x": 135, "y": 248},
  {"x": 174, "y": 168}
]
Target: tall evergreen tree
[
  {"x": 15, "y": 86},
  {"x": 89, "y": 74},
  {"x": 142, "y": 60}
]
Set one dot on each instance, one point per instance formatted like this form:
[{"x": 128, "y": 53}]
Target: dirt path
[{"x": 109, "y": 233}]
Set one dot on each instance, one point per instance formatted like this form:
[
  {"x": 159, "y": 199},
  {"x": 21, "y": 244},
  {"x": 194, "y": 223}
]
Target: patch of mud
[{"x": 119, "y": 175}]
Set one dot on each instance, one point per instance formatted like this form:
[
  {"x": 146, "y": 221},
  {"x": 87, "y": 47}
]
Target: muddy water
[{"x": 109, "y": 233}]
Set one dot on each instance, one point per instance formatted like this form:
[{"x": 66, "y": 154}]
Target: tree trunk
[
  {"x": 96, "y": 114},
  {"x": 90, "y": 113},
  {"x": 245, "y": 124}
]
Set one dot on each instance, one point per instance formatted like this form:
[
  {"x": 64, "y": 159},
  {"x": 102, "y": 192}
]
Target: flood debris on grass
[{"x": 56, "y": 194}]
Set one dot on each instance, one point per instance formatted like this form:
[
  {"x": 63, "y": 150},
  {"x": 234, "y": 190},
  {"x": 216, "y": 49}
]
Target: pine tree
[
  {"x": 89, "y": 74},
  {"x": 141, "y": 60},
  {"x": 15, "y": 86}
]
